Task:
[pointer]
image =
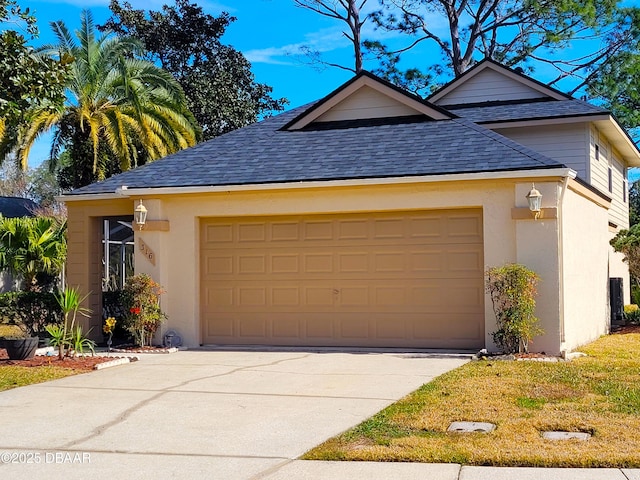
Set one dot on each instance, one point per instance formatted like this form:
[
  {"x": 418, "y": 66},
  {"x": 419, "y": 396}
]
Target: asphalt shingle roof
[
  {"x": 17, "y": 207},
  {"x": 527, "y": 110},
  {"x": 262, "y": 153}
]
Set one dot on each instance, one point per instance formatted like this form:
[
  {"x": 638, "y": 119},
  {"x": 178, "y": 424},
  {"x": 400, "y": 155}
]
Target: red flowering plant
[{"x": 141, "y": 297}]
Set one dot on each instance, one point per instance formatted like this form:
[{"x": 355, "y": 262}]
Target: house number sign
[{"x": 147, "y": 252}]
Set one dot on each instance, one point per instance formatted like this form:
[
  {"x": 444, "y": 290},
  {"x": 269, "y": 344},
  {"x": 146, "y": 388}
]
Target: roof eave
[
  {"x": 620, "y": 140},
  {"x": 538, "y": 121},
  {"x": 89, "y": 196},
  {"x": 542, "y": 172}
]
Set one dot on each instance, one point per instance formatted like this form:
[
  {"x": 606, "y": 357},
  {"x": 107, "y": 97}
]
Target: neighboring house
[
  {"x": 11, "y": 207},
  {"x": 369, "y": 217}
]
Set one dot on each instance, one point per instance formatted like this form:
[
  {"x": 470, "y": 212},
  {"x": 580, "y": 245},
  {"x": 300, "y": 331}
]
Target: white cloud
[
  {"x": 330, "y": 39},
  {"x": 325, "y": 40}
]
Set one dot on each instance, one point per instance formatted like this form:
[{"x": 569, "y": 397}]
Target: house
[
  {"x": 11, "y": 207},
  {"x": 369, "y": 217}
]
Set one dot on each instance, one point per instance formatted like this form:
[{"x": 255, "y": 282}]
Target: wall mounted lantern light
[
  {"x": 140, "y": 215},
  {"x": 535, "y": 201}
]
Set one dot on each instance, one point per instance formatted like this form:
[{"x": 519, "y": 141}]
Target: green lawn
[
  {"x": 12, "y": 376},
  {"x": 598, "y": 394}
]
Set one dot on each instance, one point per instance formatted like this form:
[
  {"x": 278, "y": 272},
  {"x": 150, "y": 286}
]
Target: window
[
  {"x": 597, "y": 152},
  {"x": 610, "y": 179},
  {"x": 118, "y": 255}
]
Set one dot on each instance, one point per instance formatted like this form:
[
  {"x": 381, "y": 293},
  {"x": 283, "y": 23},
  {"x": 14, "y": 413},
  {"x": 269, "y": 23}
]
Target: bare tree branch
[{"x": 347, "y": 11}]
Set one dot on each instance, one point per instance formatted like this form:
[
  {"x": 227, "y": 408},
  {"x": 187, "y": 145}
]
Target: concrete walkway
[{"x": 223, "y": 415}]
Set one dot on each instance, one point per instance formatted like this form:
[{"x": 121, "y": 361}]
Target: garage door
[{"x": 410, "y": 279}]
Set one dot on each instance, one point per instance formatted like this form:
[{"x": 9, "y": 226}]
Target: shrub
[
  {"x": 632, "y": 313},
  {"x": 141, "y": 299},
  {"x": 513, "y": 290},
  {"x": 31, "y": 311},
  {"x": 33, "y": 249},
  {"x": 70, "y": 335}
]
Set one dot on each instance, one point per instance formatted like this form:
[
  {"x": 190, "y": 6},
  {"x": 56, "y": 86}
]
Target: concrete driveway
[{"x": 201, "y": 414}]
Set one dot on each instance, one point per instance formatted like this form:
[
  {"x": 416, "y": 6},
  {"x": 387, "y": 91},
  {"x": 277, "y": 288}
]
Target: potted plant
[
  {"x": 25, "y": 315},
  {"x": 22, "y": 345}
]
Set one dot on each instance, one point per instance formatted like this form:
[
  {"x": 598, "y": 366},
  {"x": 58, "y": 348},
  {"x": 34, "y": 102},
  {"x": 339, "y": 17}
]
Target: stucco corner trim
[{"x": 523, "y": 213}]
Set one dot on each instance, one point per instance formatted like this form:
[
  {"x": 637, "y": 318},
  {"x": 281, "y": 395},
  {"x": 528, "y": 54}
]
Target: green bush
[
  {"x": 635, "y": 294},
  {"x": 632, "y": 313},
  {"x": 141, "y": 299},
  {"x": 33, "y": 249},
  {"x": 32, "y": 311},
  {"x": 513, "y": 290}
]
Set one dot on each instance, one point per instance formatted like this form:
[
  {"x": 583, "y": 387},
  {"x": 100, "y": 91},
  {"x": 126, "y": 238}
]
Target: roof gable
[
  {"x": 364, "y": 98},
  {"x": 489, "y": 81}
]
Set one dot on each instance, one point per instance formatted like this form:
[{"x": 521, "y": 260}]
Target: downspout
[{"x": 565, "y": 184}]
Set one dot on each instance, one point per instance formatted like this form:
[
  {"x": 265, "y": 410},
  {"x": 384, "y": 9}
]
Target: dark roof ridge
[
  {"x": 498, "y": 103},
  {"x": 368, "y": 122}
]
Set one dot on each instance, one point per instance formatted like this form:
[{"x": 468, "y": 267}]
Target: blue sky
[{"x": 268, "y": 32}]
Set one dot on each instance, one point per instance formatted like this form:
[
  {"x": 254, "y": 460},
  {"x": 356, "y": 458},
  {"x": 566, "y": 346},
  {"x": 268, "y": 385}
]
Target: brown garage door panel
[
  {"x": 367, "y": 262},
  {"x": 416, "y": 331},
  {"x": 422, "y": 296},
  {"x": 443, "y": 226},
  {"x": 412, "y": 279}
]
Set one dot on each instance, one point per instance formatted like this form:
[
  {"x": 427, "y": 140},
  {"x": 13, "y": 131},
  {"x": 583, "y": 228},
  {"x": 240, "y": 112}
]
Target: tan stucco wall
[
  {"x": 537, "y": 242},
  {"x": 585, "y": 270},
  {"x": 84, "y": 253},
  {"x": 528, "y": 241},
  {"x": 506, "y": 240}
]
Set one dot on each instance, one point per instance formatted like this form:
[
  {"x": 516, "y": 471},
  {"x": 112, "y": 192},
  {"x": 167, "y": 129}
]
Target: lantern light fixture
[
  {"x": 140, "y": 215},
  {"x": 535, "y": 201}
]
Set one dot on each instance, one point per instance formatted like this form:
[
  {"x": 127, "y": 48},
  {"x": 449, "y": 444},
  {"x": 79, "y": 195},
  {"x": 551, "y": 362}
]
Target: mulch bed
[
  {"x": 627, "y": 329},
  {"x": 75, "y": 363}
]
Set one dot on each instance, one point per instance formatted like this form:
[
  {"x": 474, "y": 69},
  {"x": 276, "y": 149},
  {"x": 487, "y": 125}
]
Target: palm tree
[
  {"x": 32, "y": 246},
  {"x": 120, "y": 106}
]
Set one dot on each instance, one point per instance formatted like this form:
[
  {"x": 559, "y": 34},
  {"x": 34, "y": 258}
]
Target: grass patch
[
  {"x": 598, "y": 394},
  {"x": 12, "y": 376},
  {"x": 532, "y": 403}
]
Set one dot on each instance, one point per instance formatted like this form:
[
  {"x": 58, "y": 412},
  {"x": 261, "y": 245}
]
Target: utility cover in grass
[
  {"x": 566, "y": 436},
  {"x": 471, "y": 427}
]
